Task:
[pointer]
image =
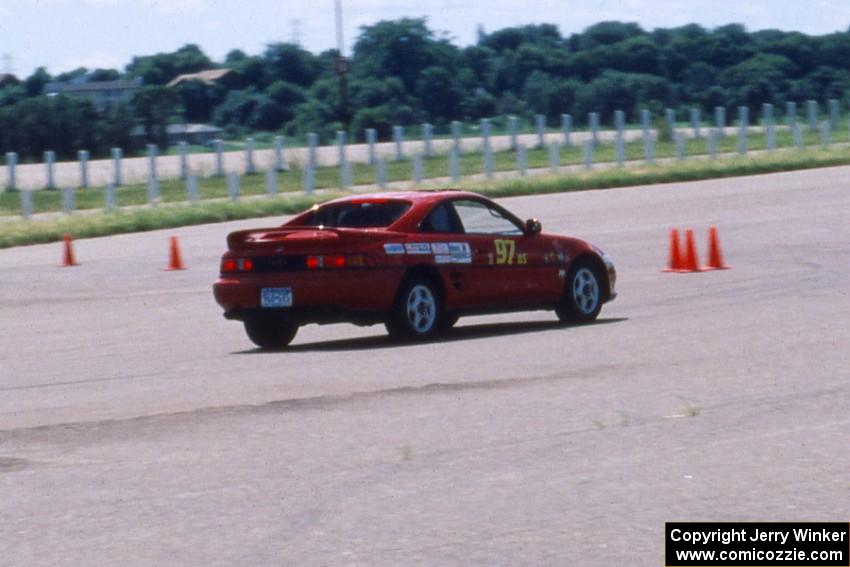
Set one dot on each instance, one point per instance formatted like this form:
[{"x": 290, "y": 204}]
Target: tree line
[{"x": 403, "y": 72}]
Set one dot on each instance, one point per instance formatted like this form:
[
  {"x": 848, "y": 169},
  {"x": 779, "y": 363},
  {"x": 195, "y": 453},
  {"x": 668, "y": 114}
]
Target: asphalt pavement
[{"x": 139, "y": 427}]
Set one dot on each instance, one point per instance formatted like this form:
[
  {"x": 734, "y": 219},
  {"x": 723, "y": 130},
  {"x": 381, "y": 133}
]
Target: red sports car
[{"x": 415, "y": 261}]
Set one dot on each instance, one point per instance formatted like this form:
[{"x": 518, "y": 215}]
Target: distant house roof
[
  {"x": 8, "y": 79},
  {"x": 182, "y": 129},
  {"x": 209, "y": 77},
  {"x": 91, "y": 87},
  {"x": 193, "y": 129}
]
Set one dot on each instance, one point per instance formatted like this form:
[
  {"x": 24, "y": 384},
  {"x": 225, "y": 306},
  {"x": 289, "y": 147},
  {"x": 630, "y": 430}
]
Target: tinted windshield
[{"x": 357, "y": 214}]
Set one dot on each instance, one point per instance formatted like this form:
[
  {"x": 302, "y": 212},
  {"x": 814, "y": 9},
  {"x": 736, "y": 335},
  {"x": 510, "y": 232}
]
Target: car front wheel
[
  {"x": 270, "y": 332},
  {"x": 417, "y": 311},
  {"x": 582, "y": 298}
]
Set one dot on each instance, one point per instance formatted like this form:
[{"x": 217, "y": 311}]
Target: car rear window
[{"x": 367, "y": 214}]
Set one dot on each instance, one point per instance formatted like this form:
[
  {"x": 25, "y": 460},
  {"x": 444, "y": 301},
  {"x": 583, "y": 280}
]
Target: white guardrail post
[
  {"x": 720, "y": 120},
  {"x": 428, "y": 139},
  {"x": 49, "y": 161},
  {"x": 117, "y": 155},
  {"x": 540, "y": 121},
  {"x": 371, "y": 138},
  {"x": 83, "y": 156},
  {"x": 250, "y": 167},
  {"x": 567, "y": 129},
  {"x": 398, "y": 140},
  {"x": 279, "y": 157},
  {"x": 153, "y": 179},
  {"x": 219, "y": 157},
  {"x": 456, "y": 133}
]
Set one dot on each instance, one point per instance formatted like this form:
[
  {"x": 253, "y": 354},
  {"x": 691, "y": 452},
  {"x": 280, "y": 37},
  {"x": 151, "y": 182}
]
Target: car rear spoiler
[{"x": 239, "y": 237}]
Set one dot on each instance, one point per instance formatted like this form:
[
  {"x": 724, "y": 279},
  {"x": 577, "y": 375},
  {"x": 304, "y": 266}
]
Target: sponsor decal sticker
[
  {"x": 460, "y": 252},
  {"x": 418, "y": 248},
  {"x": 443, "y": 252},
  {"x": 393, "y": 249}
]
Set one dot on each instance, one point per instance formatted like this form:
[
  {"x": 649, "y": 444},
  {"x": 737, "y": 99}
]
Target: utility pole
[
  {"x": 296, "y": 31},
  {"x": 343, "y": 66},
  {"x": 8, "y": 66}
]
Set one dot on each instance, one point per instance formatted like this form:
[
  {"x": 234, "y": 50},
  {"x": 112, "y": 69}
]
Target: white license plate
[{"x": 276, "y": 297}]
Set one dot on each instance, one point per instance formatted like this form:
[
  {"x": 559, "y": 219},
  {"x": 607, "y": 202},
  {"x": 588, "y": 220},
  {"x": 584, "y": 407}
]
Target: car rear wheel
[
  {"x": 271, "y": 332},
  {"x": 417, "y": 311},
  {"x": 582, "y": 298}
]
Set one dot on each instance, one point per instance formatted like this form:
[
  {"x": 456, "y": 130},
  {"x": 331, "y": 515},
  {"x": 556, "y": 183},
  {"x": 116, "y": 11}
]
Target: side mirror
[{"x": 532, "y": 227}]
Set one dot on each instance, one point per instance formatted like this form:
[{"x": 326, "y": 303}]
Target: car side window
[
  {"x": 441, "y": 220},
  {"x": 478, "y": 218}
]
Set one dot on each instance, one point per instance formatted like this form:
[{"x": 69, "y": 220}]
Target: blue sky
[{"x": 65, "y": 34}]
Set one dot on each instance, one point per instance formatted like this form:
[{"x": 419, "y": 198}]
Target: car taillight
[
  {"x": 335, "y": 261},
  {"x": 328, "y": 261},
  {"x": 229, "y": 265}
]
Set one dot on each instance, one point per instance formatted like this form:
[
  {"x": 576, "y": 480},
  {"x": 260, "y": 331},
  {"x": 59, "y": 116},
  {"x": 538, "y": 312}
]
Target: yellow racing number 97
[{"x": 505, "y": 251}]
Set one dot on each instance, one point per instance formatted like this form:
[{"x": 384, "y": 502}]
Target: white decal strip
[
  {"x": 443, "y": 252},
  {"x": 417, "y": 248},
  {"x": 393, "y": 249}
]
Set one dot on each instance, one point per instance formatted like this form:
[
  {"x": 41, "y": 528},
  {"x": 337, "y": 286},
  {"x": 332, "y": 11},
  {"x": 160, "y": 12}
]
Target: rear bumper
[
  {"x": 321, "y": 315},
  {"x": 336, "y": 295}
]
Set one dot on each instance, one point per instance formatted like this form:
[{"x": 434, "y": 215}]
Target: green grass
[
  {"x": 174, "y": 213},
  {"x": 20, "y": 232}
]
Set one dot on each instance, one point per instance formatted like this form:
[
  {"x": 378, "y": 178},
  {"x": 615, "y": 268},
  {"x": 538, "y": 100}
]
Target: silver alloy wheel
[
  {"x": 421, "y": 308},
  {"x": 585, "y": 291}
]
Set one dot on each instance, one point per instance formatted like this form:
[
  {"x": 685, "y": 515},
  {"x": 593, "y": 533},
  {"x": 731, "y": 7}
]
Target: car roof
[
  {"x": 416, "y": 197},
  {"x": 421, "y": 203}
]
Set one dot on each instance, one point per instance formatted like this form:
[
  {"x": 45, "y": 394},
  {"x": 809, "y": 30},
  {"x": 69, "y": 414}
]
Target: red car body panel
[{"x": 362, "y": 269}]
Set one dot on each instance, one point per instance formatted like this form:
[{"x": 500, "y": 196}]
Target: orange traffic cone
[
  {"x": 675, "y": 262},
  {"x": 691, "y": 263},
  {"x": 68, "y": 259},
  {"x": 715, "y": 257},
  {"x": 175, "y": 261}
]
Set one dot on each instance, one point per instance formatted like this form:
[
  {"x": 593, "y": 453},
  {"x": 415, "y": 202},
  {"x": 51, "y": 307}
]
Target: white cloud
[
  {"x": 214, "y": 25},
  {"x": 162, "y": 6},
  {"x": 179, "y": 6}
]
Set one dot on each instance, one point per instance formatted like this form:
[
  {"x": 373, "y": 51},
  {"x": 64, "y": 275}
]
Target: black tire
[
  {"x": 582, "y": 298},
  {"x": 417, "y": 312},
  {"x": 271, "y": 332}
]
